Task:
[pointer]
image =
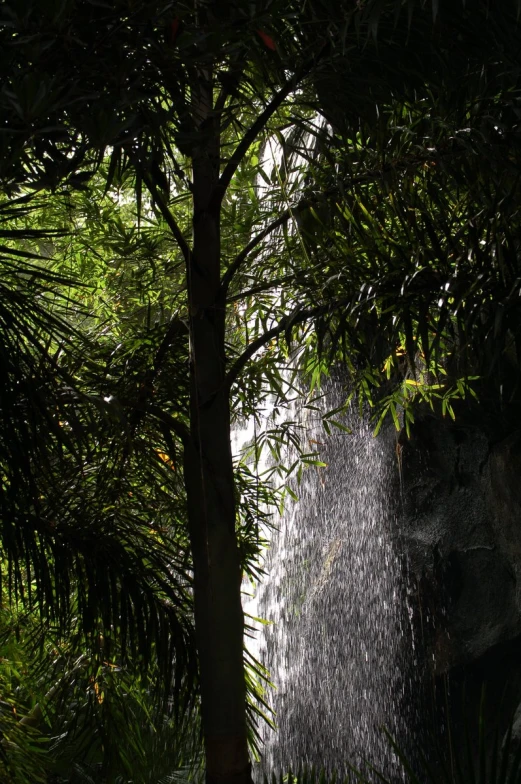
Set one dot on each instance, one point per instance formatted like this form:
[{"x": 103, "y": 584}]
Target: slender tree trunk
[{"x": 219, "y": 618}]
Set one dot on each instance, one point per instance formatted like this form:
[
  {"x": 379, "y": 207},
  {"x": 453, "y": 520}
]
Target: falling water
[{"x": 339, "y": 646}]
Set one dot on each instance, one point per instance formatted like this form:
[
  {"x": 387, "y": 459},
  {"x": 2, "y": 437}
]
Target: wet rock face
[{"x": 461, "y": 535}]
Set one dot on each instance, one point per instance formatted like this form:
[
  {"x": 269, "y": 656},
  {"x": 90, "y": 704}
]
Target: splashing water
[{"x": 339, "y": 644}]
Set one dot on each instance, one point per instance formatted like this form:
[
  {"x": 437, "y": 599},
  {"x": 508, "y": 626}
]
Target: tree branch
[
  {"x": 260, "y": 123},
  {"x": 229, "y": 81},
  {"x": 167, "y": 215},
  {"x": 245, "y": 252},
  {"x": 298, "y": 316},
  {"x": 262, "y": 287}
]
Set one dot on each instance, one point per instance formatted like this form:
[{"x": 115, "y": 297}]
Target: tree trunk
[{"x": 209, "y": 477}]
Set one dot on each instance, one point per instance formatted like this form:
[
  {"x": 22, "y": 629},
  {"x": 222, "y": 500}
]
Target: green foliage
[{"x": 74, "y": 713}]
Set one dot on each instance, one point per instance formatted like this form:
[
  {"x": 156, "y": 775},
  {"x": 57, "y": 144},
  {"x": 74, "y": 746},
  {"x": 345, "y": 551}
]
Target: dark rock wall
[{"x": 461, "y": 535}]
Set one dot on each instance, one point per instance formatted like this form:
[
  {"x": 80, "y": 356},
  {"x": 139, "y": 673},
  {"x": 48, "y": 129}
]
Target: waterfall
[{"x": 338, "y": 646}]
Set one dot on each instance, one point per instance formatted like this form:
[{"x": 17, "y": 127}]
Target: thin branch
[
  {"x": 245, "y": 252},
  {"x": 298, "y": 316},
  {"x": 259, "y": 124},
  {"x": 225, "y": 91},
  {"x": 263, "y": 287},
  {"x": 252, "y": 133},
  {"x": 252, "y": 349},
  {"x": 167, "y": 214}
]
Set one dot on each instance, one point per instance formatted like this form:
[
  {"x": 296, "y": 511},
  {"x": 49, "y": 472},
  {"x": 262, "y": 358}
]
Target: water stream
[{"x": 339, "y": 646}]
